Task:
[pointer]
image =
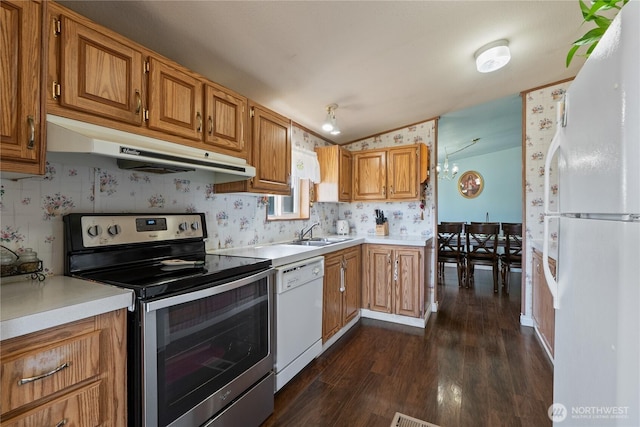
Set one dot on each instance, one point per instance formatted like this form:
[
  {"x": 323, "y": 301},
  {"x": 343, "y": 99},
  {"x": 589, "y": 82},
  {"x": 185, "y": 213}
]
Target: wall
[
  {"x": 31, "y": 209},
  {"x": 540, "y": 126},
  {"x": 501, "y": 196},
  {"x": 405, "y": 218}
]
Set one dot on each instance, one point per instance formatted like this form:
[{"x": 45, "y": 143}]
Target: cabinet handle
[
  {"x": 391, "y": 189},
  {"x": 32, "y": 133},
  {"x": 342, "y": 279},
  {"x": 210, "y": 125},
  {"x": 395, "y": 272},
  {"x": 45, "y": 375},
  {"x": 384, "y": 190},
  {"x": 61, "y": 423},
  {"x": 138, "y": 102},
  {"x": 199, "y": 118}
]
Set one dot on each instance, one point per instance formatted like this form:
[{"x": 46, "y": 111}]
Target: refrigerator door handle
[{"x": 551, "y": 281}]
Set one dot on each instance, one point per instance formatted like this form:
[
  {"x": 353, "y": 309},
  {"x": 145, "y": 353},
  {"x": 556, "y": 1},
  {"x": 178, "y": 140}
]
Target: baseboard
[
  {"x": 394, "y": 318},
  {"x": 328, "y": 343},
  {"x": 526, "y": 320},
  {"x": 543, "y": 344}
]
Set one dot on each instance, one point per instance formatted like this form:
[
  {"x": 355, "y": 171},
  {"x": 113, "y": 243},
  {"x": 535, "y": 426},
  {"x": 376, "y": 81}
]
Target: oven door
[{"x": 203, "y": 349}]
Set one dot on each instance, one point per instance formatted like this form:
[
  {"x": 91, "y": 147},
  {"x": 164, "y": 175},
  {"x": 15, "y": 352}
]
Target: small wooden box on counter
[{"x": 382, "y": 229}]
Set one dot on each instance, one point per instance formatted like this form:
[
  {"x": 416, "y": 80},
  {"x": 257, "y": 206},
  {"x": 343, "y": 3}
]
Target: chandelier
[{"x": 445, "y": 173}]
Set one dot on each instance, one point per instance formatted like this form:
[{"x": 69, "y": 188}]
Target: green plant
[{"x": 593, "y": 36}]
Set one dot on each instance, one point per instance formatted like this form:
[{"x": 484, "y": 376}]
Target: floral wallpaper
[
  {"x": 31, "y": 209},
  {"x": 405, "y": 218},
  {"x": 540, "y": 127}
]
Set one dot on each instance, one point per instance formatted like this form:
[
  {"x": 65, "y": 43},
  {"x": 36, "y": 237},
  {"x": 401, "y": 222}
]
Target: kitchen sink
[{"x": 319, "y": 241}]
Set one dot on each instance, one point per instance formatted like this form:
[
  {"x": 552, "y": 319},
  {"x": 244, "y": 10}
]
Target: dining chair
[
  {"x": 512, "y": 257},
  {"x": 450, "y": 249},
  {"x": 482, "y": 249}
]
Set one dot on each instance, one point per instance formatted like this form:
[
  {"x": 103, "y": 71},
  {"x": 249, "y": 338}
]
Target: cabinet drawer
[
  {"x": 30, "y": 376},
  {"x": 78, "y": 409}
]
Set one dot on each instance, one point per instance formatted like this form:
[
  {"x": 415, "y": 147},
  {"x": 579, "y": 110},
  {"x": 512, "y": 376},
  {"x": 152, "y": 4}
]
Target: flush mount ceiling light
[
  {"x": 493, "y": 56},
  {"x": 330, "y": 123}
]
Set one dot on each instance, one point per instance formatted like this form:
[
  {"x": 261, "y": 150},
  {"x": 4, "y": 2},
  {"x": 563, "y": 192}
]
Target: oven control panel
[{"x": 105, "y": 230}]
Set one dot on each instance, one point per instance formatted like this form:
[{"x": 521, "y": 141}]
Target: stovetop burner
[{"x": 153, "y": 279}]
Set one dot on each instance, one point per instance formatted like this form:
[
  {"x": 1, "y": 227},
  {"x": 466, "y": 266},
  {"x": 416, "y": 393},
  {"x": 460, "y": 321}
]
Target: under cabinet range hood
[{"x": 141, "y": 153}]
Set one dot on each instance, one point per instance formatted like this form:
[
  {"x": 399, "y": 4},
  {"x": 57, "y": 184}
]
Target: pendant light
[{"x": 330, "y": 123}]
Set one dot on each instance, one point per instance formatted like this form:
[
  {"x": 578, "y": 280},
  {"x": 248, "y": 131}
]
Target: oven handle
[{"x": 207, "y": 292}]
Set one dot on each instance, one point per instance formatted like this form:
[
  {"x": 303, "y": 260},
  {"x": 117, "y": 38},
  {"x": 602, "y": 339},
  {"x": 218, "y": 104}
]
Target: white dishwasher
[{"x": 298, "y": 320}]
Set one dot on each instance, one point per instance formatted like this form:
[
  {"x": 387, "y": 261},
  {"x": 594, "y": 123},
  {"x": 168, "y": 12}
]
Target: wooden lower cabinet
[
  {"x": 74, "y": 374},
  {"x": 544, "y": 314},
  {"x": 341, "y": 294},
  {"x": 394, "y": 279}
]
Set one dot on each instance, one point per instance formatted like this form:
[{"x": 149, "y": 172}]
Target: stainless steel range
[{"x": 200, "y": 337}]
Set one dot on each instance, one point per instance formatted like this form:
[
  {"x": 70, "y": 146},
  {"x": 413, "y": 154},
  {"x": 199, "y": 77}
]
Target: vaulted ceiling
[{"x": 386, "y": 63}]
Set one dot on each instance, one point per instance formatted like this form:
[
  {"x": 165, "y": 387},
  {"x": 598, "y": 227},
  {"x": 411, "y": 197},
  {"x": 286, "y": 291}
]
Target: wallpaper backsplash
[{"x": 32, "y": 208}]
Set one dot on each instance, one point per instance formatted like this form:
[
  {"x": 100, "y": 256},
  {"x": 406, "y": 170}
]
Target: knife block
[{"x": 382, "y": 229}]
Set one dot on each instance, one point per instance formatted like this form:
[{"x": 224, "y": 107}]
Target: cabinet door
[
  {"x": 408, "y": 278},
  {"x": 543, "y": 311},
  {"x": 226, "y": 121},
  {"x": 271, "y": 146},
  {"x": 352, "y": 284},
  {"x": 402, "y": 175},
  {"x": 99, "y": 74},
  {"x": 22, "y": 145},
  {"x": 379, "y": 277},
  {"x": 345, "y": 175},
  {"x": 370, "y": 175},
  {"x": 332, "y": 296},
  {"x": 175, "y": 101}
]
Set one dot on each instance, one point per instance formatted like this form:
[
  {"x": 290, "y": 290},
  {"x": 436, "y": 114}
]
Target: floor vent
[{"x": 402, "y": 420}]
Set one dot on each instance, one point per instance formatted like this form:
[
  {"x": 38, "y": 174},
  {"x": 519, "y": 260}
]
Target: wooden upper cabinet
[
  {"x": 402, "y": 175},
  {"x": 175, "y": 101},
  {"x": 226, "y": 121},
  {"x": 22, "y": 146},
  {"x": 370, "y": 175},
  {"x": 390, "y": 174},
  {"x": 336, "y": 171},
  {"x": 99, "y": 74},
  {"x": 271, "y": 143}
]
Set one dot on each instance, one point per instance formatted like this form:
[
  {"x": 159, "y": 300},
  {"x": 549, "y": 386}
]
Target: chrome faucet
[{"x": 308, "y": 231}]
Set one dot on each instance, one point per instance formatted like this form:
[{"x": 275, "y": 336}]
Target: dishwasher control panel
[{"x": 296, "y": 274}]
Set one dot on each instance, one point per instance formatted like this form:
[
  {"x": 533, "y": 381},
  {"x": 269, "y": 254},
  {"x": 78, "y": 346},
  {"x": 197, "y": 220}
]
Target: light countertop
[
  {"x": 281, "y": 253},
  {"x": 28, "y": 306}
]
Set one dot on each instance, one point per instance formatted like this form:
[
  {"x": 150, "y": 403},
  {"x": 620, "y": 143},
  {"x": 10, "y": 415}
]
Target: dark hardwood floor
[{"x": 473, "y": 365}]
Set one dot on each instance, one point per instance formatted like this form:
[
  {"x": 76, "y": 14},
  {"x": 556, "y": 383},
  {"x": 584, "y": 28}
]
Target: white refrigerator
[{"x": 597, "y": 291}]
